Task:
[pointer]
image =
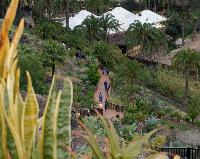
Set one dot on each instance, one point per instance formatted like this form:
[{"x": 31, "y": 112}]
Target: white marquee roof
[
  {"x": 78, "y": 18},
  {"x": 124, "y": 17},
  {"x": 150, "y": 17}
]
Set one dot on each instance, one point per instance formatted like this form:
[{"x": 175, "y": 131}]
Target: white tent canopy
[
  {"x": 78, "y": 18},
  {"x": 124, "y": 17},
  {"x": 150, "y": 17}
]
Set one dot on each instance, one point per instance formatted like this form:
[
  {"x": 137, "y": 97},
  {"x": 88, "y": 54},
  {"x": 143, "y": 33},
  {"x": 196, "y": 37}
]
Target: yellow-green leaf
[{"x": 30, "y": 116}]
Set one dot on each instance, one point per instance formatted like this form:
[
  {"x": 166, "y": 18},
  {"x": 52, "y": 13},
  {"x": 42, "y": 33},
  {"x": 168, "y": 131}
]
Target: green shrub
[
  {"x": 29, "y": 60},
  {"x": 174, "y": 27},
  {"x": 53, "y": 54},
  {"x": 193, "y": 108},
  {"x": 93, "y": 74},
  {"x": 125, "y": 131},
  {"x": 176, "y": 115},
  {"x": 95, "y": 125},
  {"x": 151, "y": 123},
  {"x": 158, "y": 142},
  {"x": 46, "y": 29}
]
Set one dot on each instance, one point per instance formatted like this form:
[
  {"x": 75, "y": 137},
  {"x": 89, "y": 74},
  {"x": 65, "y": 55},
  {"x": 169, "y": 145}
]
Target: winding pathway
[{"x": 100, "y": 88}]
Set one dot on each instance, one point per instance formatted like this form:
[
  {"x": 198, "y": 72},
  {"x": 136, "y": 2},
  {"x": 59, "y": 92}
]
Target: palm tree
[
  {"x": 108, "y": 55},
  {"x": 147, "y": 36},
  {"x": 64, "y": 5},
  {"x": 109, "y": 23},
  {"x": 92, "y": 27},
  {"x": 95, "y": 6},
  {"x": 187, "y": 60},
  {"x": 128, "y": 72}
]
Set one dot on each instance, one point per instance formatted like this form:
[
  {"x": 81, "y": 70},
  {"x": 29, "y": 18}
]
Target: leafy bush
[
  {"x": 84, "y": 96},
  {"x": 174, "y": 25},
  {"x": 176, "y": 115},
  {"x": 53, "y": 54},
  {"x": 125, "y": 131},
  {"x": 95, "y": 125},
  {"x": 151, "y": 123},
  {"x": 137, "y": 112},
  {"x": 158, "y": 142},
  {"x": 93, "y": 74},
  {"x": 193, "y": 108},
  {"x": 29, "y": 60},
  {"x": 46, "y": 29},
  {"x": 107, "y": 54}
]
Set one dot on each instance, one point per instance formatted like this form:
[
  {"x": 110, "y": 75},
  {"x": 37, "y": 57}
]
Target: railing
[
  {"x": 184, "y": 153},
  {"x": 116, "y": 107}
]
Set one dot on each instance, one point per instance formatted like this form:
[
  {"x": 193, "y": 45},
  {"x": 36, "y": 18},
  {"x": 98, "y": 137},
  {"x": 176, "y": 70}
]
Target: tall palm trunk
[
  {"x": 149, "y": 4},
  {"x": 186, "y": 83},
  {"x": 155, "y": 6},
  {"x": 66, "y": 6},
  {"x": 183, "y": 32}
]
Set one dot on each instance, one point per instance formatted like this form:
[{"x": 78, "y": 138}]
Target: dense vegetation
[{"x": 152, "y": 96}]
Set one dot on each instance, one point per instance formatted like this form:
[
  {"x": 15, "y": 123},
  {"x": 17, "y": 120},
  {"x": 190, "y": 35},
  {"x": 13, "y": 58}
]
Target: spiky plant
[
  {"x": 20, "y": 137},
  {"x": 116, "y": 149}
]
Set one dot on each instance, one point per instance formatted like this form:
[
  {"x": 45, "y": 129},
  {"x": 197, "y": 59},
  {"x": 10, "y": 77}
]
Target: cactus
[{"x": 20, "y": 135}]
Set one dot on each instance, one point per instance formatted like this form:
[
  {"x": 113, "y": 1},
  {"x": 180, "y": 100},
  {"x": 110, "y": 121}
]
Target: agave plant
[{"x": 22, "y": 134}]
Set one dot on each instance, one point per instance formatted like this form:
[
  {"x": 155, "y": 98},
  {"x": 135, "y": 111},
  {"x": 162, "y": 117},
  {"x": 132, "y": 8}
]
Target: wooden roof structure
[{"x": 117, "y": 38}]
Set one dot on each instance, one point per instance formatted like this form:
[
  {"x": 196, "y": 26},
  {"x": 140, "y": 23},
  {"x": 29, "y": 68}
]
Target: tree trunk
[
  {"x": 107, "y": 36},
  {"x": 149, "y": 3},
  {"x": 194, "y": 32},
  {"x": 155, "y": 6},
  {"x": 66, "y": 6},
  {"x": 186, "y": 84},
  {"x": 183, "y": 32}
]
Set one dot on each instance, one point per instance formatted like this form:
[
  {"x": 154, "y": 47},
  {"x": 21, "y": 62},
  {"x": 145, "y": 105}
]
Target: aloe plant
[{"x": 20, "y": 137}]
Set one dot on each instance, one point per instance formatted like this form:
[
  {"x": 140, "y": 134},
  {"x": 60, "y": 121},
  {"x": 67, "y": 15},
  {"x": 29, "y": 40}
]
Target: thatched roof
[{"x": 160, "y": 58}]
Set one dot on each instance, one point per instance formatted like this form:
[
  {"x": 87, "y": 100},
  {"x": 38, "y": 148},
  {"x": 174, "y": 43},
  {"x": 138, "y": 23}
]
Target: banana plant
[{"x": 22, "y": 134}]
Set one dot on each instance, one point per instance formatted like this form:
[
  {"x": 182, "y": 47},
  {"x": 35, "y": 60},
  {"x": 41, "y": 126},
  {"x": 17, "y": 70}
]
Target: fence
[
  {"x": 184, "y": 153},
  {"x": 117, "y": 108}
]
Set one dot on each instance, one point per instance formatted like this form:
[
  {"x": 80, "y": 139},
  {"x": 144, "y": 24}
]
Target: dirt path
[
  {"x": 195, "y": 44},
  {"x": 100, "y": 88}
]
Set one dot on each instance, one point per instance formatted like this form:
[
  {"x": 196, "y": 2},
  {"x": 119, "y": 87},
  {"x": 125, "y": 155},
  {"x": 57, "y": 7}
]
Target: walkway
[{"x": 100, "y": 88}]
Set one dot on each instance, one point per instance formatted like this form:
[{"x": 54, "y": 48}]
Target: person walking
[
  {"x": 100, "y": 97},
  {"x": 106, "y": 105},
  {"x": 105, "y": 85},
  {"x": 107, "y": 71},
  {"x": 108, "y": 88}
]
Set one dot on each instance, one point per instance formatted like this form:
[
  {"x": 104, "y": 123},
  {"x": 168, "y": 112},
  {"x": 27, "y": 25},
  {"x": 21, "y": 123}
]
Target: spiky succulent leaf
[
  {"x": 111, "y": 134},
  {"x": 47, "y": 127},
  {"x": 64, "y": 120},
  {"x": 30, "y": 116}
]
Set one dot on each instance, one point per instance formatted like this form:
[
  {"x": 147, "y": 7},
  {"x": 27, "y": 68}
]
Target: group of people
[
  {"x": 107, "y": 88},
  {"x": 105, "y": 70}
]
